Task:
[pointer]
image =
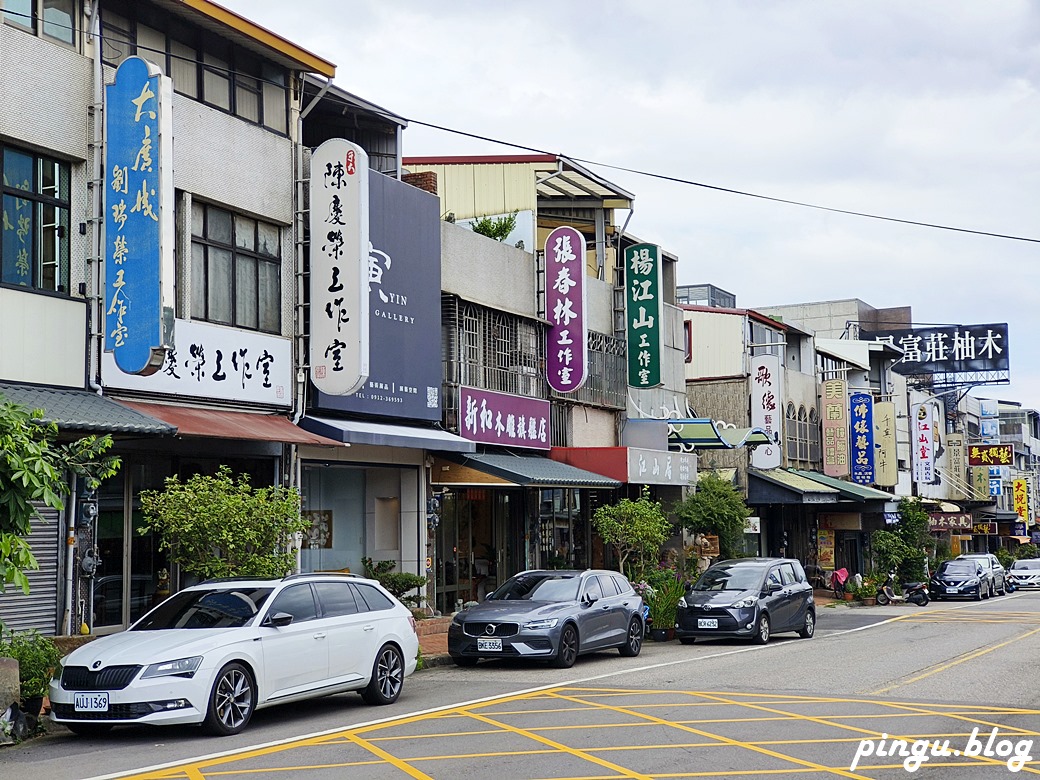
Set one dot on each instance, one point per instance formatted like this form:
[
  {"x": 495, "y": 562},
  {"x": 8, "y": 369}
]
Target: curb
[{"x": 436, "y": 659}]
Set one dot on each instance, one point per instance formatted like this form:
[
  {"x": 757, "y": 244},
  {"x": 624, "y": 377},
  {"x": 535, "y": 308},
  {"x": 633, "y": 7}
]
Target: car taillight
[{"x": 411, "y": 620}]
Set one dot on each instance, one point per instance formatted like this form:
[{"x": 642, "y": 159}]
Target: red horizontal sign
[
  {"x": 991, "y": 454},
  {"x": 984, "y": 529}
]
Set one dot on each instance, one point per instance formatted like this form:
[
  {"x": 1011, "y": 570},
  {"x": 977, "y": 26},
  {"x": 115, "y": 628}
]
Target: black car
[
  {"x": 747, "y": 597},
  {"x": 960, "y": 577}
]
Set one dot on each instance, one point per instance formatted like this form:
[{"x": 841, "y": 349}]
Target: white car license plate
[
  {"x": 952, "y": 590},
  {"x": 489, "y": 645},
  {"x": 707, "y": 622},
  {"x": 92, "y": 702}
]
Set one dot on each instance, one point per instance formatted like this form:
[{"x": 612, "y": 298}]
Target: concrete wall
[
  {"x": 44, "y": 338},
  {"x": 480, "y": 269}
]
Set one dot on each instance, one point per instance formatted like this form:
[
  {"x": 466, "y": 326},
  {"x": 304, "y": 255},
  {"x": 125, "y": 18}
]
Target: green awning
[
  {"x": 794, "y": 481},
  {"x": 848, "y": 490},
  {"x": 79, "y": 410},
  {"x": 703, "y": 433},
  {"x": 531, "y": 471}
]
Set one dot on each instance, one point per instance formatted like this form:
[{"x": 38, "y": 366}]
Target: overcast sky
[{"x": 923, "y": 111}]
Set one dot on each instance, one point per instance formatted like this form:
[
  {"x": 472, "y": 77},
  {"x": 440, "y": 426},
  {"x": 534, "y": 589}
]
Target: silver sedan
[{"x": 550, "y": 615}]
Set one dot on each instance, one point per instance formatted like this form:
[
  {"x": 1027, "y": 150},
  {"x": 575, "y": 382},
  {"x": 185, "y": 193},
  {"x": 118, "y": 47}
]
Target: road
[{"x": 795, "y": 708}]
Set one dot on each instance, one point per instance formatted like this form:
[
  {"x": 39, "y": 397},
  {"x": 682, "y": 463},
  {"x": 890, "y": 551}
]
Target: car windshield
[
  {"x": 1031, "y": 564},
  {"x": 230, "y": 607},
  {"x": 958, "y": 567},
  {"x": 538, "y": 587},
  {"x": 730, "y": 578}
]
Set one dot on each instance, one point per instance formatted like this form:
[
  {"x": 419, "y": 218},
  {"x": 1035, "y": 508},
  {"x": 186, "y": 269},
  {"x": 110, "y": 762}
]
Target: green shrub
[
  {"x": 1005, "y": 557},
  {"x": 397, "y": 582},
  {"x": 1027, "y": 550},
  {"x": 663, "y": 601},
  {"x": 37, "y": 655}
]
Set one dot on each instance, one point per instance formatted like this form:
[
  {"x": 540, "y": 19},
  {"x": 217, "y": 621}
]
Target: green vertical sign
[{"x": 643, "y": 314}]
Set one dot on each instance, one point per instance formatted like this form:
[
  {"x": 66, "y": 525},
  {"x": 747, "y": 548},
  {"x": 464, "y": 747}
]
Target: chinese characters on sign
[
  {"x": 1020, "y": 492},
  {"x": 507, "y": 420},
  {"x": 996, "y": 480},
  {"x": 885, "y": 462},
  {"x": 566, "y": 353},
  {"x": 825, "y": 548},
  {"x": 948, "y": 349},
  {"x": 339, "y": 267},
  {"x": 643, "y": 312},
  {"x": 655, "y": 467},
  {"x": 138, "y": 185},
  {"x": 766, "y": 409},
  {"x": 835, "y": 428},
  {"x": 861, "y": 405},
  {"x": 940, "y": 521},
  {"x": 956, "y": 462},
  {"x": 991, "y": 454},
  {"x": 922, "y": 434},
  {"x": 211, "y": 361}
]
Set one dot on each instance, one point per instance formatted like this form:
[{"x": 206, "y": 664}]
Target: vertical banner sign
[
  {"x": 980, "y": 481},
  {"x": 922, "y": 436},
  {"x": 885, "y": 462},
  {"x": 1020, "y": 491},
  {"x": 139, "y": 226},
  {"x": 339, "y": 267},
  {"x": 955, "y": 458},
  {"x": 643, "y": 314},
  {"x": 567, "y": 340},
  {"x": 861, "y": 405},
  {"x": 835, "y": 428},
  {"x": 996, "y": 481},
  {"x": 825, "y": 548},
  {"x": 766, "y": 403}
]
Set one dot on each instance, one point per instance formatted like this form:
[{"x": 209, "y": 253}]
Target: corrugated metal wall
[{"x": 40, "y": 608}]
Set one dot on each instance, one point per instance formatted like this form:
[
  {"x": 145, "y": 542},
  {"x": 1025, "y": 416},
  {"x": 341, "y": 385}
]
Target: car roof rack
[
  {"x": 234, "y": 579},
  {"x": 324, "y": 574}
]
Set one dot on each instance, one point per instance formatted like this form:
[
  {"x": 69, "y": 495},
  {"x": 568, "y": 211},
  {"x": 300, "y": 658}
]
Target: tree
[
  {"x": 215, "y": 526},
  {"x": 912, "y": 529},
  {"x": 718, "y": 508},
  {"x": 636, "y": 530},
  {"x": 33, "y": 470},
  {"x": 497, "y": 228}
]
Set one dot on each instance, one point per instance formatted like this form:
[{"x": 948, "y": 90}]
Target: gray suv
[
  {"x": 747, "y": 597},
  {"x": 994, "y": 575}
]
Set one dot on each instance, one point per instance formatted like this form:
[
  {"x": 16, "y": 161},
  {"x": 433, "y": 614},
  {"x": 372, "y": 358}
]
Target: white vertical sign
[
  {"x": 923, "y": 443},
  {"x": 767, "y": 409},
  {"x": 339, "y": 270}
]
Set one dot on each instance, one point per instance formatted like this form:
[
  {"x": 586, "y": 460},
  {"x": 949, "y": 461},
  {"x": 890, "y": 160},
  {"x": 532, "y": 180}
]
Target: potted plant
[
  {"x": 37, "y": 656},
  {"x": 663, "y": 603}
]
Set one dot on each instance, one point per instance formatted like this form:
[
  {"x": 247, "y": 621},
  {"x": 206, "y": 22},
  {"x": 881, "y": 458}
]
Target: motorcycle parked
[{"x": 914, "y": 592}]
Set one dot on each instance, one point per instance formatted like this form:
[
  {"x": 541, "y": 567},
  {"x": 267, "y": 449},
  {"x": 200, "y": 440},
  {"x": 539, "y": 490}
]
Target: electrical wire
[{"x": 599, "y": 164}]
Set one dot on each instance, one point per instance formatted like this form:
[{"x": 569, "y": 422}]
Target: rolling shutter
[{"x": 40, "y": 609}]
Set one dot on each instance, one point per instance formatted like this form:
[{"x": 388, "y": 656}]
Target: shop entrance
[{"x": 474, "y": 548}]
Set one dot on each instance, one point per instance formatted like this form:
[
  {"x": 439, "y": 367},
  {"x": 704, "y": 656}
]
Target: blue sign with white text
[
  {"x": 861, "y": 440},
  {"x": 132, "y": 256}
]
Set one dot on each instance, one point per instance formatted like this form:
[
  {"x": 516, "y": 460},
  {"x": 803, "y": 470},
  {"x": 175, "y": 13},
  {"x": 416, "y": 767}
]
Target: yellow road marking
[
  {"x": 728, "y": 740},
  {"x": 950, "y": 664},
  {"x": 623, "y": 771}
]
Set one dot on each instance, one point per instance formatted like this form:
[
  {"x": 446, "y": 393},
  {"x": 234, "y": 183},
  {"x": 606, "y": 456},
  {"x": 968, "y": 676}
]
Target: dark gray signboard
[
  {"x": 947, "y": 349},
  {"x": 405, "y": 372}
]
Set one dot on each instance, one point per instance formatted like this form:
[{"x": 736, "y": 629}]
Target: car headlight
[
  {"x": 750, "y": 601},
  {"x": 682, "y": 602},
  {"x": 541, "y": 625},
  {"x": 973, "y": 581},
  {"x": 182, "y": 667}
]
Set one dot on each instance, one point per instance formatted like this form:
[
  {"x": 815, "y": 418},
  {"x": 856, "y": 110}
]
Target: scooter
[{"x": 914, "y": 592}]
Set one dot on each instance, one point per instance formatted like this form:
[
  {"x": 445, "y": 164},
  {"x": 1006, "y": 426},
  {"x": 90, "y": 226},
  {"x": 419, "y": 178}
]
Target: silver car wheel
[
  {"x": 232, "y": 701},
  {"x": 387, "y": 677}
]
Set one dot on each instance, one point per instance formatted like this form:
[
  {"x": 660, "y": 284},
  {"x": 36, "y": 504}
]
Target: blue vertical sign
[
  {"x": 861, "y": 406},
  {"x": 134, "y": 220}
]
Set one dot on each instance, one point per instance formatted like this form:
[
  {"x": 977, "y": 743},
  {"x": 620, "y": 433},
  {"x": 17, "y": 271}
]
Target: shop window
[
  {"x": 34, "y": 247},
  {"x": 235, "y": 269}
]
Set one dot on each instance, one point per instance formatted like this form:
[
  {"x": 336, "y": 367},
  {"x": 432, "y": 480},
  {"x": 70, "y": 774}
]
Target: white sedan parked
[{"x": 215, "y": 652}]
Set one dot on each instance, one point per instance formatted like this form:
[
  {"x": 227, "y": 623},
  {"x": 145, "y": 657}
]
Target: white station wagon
[{"x": 215, "y": 652}]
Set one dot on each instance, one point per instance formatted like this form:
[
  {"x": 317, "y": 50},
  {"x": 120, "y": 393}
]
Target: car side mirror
[
  {"x": 278, "y": 620},
  {"x": 773, "y": 587},
  {"x": 588, "y": 598}
]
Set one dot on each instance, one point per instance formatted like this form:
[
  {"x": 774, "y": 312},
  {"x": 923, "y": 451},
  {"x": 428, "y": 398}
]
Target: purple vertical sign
[
  {"x": 566, "y": 347},
  {"x": 499, "y": 418}
]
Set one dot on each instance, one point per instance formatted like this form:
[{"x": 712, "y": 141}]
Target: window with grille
[
  {"x": 235, "y": 269},
  {"x": 34, "y": 247}
]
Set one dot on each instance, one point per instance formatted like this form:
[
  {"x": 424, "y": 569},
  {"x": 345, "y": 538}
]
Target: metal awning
[
  {"x": 383, "y": 435},
  {"x": 193, "y": 421},
  {"x": 703, "y": 433},
  {"x": 794, "y": 482},
  {"x": 80, "y": 410},
  {"x": 517, "y": 471},
  {"x": 849, "y": 490}
]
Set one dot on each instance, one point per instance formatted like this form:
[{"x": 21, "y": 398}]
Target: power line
[{"x": 597, "y": 163}]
